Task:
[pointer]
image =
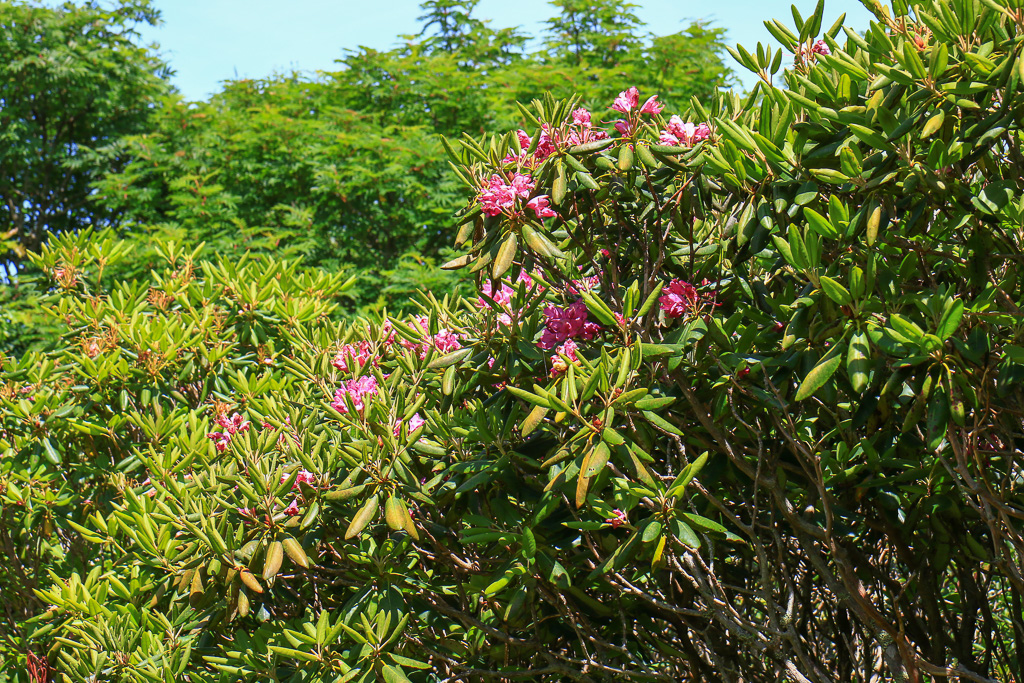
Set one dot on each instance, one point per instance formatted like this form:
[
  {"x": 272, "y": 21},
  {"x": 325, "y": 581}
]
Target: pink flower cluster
[
  {"x": 502, "y": 296},
  {"x": 497, "y": 196},
  {"x": 679, "y": 133},
  {"x": 581, "y": 131},
  {"x": 361, "y": 352},
  {"x": 567, "y": 323},
  {"x": 230, "y": 426},
  {"x": 414, "y": 423},
  {"x": 819, "y": 48},
  {"x": 303, "y": 477},
  {"x": 360, "y": 390},
  {"x": 445, "y": 341},
  {"x": 568, "y": 349},
  {"x": 678, "y": 298},
  {"x": 627, "y": 102},
  {"x": 546, "y": 146},
  {"x": 617, "y": 519}
]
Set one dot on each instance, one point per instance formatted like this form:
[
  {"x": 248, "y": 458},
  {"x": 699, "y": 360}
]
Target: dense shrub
[{"x": 738, "y": 399}]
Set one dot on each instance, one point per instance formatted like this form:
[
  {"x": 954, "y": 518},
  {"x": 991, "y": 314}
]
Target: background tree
[
  {"x": 346, "y": 169},
  {"x": 73, "y": 82}
]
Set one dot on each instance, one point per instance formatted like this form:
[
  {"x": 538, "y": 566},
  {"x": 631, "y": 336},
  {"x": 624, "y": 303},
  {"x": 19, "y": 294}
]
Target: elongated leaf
[
  {"x": 450, "y": 358},
  {"x": 272, "y": 562},
  {"x": 363, "y": 517},
  {"x": 835, "y": 291},
  {"x": 950, "y": 320},
  {"x": 818, "y": 375}
]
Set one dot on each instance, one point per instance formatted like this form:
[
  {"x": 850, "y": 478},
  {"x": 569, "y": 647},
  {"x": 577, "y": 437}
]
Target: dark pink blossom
[
  {"x": 414, "y": 423},
  {"x": 361, "y": 352},
  {"x": 539, "y": 204},
  {"x": 625, "y": 128},
  {"x": 293, "y": 508},
  {"x": 652, "y": 106},
  {"x": 220, "y": 440},
  {"x": 627, "y": 100},
  {"x": 360, "y": 390},
  {"x": 567, "y": 323},
  {"x": 617, "y": 519},
  {"x": 678, "y": 298},
  {"x": 234, "y": 424}
]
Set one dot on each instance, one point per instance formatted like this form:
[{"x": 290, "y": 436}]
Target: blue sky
[{"x": 209, "y": 41}]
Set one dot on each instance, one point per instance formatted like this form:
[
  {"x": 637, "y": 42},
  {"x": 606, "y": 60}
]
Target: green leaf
[
  {"x": 394, "y": 674},
  {"x": 835, "y": 291},
  {"x": 597, "y": 459},
  {"x": 529, "y": 397},
  {"x": 818, "y": 375},
  {"x": 950, "y": 320},
  {"x": 820, "y": 224},
  {"x": 293, "y": 654},
  {"x": 450, "y": 358},
  {"x": 363, "y": 517}
]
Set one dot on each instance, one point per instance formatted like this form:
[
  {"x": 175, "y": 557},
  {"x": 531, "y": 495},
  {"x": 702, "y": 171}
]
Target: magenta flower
[
  {"x": 358, "y": 389},
  {"x": 293, "y": 508},
  {"x": 581, "y": 117},
  {"x": 678, "y": 298},
  {"x": 567, "y": 323},
  {"x": 820, "y": 48},
  {"x": 497, "y": 196},
  {"x": 617, "y": 519},
  {"x": 360, "y": 352},
  {"x": 522, "y": 185},
  {"x": 220, "y": 440},
  {"x": 652, "y": 106},
  {"x": 558, "y": 364},
  {"x": 627, "y": 100},
  {"x": 625, "y": 128},
  {"x": 446, "y": 342},
  {"x": 679, "y": 133},
  {"x": 503, "y": 294},
  {"x": 234, "y": 424},
  {"x": 414, "y": 423},
  {"x": 303, "y": 477},
  {"x": 539, "y": 204},
  {"x": 546, "y": 144}
]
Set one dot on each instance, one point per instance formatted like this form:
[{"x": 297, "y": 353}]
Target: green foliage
[
  {"x": 784, "y": 442},
  {"x": 805, "y": 465},
  {"x": 72, "y": 83},
  {"x": 346, "y": 169}
]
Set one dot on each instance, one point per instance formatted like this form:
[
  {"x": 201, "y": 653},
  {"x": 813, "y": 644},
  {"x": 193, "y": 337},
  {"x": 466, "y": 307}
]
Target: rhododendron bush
[{"x": 737, "y": 398}]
